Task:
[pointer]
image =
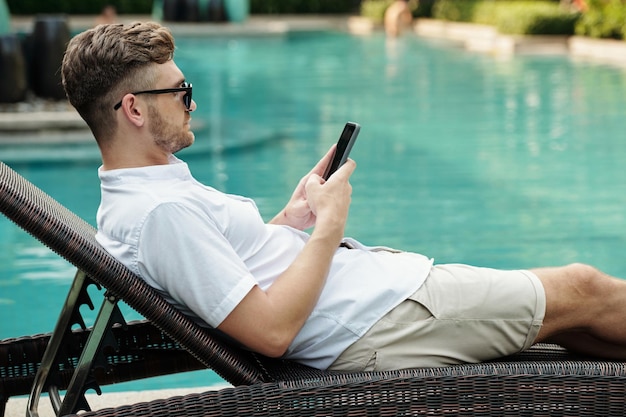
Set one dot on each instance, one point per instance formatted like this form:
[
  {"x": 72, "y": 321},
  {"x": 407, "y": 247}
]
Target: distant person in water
[{"x": 397, "y": 18}]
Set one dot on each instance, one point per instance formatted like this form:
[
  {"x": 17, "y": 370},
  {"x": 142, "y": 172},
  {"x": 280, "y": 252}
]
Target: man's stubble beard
[{"x": 168, "y": 137}]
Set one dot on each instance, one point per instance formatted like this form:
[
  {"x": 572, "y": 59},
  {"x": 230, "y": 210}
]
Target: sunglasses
[{"x": 186, "y": 87}]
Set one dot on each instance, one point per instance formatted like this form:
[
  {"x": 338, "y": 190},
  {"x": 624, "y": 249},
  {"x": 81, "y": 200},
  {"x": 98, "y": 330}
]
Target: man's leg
[{"x": 585, "y": 310}]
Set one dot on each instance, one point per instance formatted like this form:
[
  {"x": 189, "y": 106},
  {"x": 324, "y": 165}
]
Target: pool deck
[{"x": 16, "y": 407}]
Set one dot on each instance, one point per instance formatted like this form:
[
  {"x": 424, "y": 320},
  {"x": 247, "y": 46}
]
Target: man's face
[{"x": 168, "y": 117}]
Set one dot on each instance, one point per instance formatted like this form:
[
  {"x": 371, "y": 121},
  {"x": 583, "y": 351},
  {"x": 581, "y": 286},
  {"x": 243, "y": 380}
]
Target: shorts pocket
[
  {"x": 426, "y": 300},
  {"x": 409, "y": 311}
]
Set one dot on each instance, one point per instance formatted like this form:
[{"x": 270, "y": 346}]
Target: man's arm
[{"x": 268, "y": 321}]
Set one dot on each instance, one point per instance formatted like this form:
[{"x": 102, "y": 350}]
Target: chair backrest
[{"x": 74, "y": 239}]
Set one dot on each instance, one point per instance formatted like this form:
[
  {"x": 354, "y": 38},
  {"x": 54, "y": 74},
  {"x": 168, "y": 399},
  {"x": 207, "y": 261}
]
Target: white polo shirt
[{"x": 205, "y": 250}]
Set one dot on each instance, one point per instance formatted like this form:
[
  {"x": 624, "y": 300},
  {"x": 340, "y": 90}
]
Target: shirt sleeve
[{"x": 185, "y": 254}]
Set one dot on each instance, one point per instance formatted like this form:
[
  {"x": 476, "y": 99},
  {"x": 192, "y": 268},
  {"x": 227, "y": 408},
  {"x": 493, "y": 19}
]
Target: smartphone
[{"x": 344, "y": 146}]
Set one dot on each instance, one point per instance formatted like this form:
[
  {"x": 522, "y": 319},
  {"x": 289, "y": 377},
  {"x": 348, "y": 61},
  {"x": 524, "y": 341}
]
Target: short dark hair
[{"x": 104, "y": 63}]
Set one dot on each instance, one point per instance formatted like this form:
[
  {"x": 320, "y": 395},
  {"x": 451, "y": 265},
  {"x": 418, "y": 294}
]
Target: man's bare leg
[{"x": 585, "y": 310}]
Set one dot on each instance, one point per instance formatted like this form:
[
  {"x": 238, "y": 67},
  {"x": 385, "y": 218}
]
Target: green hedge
[
  {"x": 375, "y": 9},
  {"x": 523, "y": 17},
  {"x": 603, "y": 19},
  {"x": 455, "y": 10},
  {"x": 532, "y": 18}
]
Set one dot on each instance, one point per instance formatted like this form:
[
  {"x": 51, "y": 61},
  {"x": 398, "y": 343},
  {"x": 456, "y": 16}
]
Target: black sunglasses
[{"x": 186, "y": 87}]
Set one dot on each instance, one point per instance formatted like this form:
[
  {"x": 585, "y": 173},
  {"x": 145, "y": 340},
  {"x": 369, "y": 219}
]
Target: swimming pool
[{"x": 467, "y": 158}]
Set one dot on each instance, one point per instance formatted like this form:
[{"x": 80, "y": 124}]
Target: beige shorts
[{"x": 461, "y": 314}]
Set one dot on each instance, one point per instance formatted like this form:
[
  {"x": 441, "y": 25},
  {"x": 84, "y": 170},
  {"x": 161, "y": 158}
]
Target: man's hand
[
  {"x": 298, "y": 212},
  {"x": 329, "y": 201}
]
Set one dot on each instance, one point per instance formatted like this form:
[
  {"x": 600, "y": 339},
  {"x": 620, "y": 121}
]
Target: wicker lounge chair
[
  {"x": 461, "y": 392},
  {"x": 545, "y": 380}
]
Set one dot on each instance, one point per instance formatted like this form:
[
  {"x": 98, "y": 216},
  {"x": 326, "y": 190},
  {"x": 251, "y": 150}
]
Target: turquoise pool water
[{"x": 470, "y": 158}]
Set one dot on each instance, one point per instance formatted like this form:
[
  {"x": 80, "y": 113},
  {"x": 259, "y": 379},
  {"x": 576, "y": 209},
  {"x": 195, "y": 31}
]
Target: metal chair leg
[
  {"x": 74, "y": 400},
  {"x": 47, "y": 379},
  {"x": 68, "y": 316}
]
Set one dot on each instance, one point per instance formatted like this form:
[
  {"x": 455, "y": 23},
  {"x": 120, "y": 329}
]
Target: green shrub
[
  {"x": 603, "y": 19},
  {"x": 375, "y": 9},
  {"x": 424, "y": 8},
  {"x": 455, "y": 10},
  {"x": 523, "y": 17},
  {"x": 528, "y": 17}
]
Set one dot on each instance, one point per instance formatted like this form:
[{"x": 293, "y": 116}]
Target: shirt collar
[{"x": 175, "y": 169}]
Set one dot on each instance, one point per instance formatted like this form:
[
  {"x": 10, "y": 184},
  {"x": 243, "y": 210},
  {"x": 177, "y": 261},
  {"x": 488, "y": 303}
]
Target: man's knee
[
  {"x": 576, "y": 295},
  {"x": 585, "y": 280},
  {"x": 576, "y": 285}
]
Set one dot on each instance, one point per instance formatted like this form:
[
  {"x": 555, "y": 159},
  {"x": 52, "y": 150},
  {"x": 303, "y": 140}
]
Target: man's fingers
[{"x": 345, "y": 171}]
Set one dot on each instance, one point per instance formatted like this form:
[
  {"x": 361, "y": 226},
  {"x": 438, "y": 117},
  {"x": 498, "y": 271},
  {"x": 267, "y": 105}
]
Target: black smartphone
[{"x": 344, "y": 146}]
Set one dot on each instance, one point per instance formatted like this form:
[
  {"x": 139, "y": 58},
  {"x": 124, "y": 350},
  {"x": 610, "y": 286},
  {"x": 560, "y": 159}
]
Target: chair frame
[{"x": 284, "y": 386}]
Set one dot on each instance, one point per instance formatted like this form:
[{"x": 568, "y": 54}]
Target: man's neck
[{"x": 118, "y": 157}]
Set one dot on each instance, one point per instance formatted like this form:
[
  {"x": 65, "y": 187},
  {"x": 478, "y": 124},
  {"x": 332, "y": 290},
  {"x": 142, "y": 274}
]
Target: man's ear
[{"x": 134, "y": 110}]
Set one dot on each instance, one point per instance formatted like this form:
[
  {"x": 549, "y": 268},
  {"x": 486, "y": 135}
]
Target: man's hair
[{"x": 106, "y": 62}]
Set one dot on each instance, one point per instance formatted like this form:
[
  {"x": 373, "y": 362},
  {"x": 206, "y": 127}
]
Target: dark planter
[
  {"x": 181, "y": 10},
  {"x": 171, "y": 10},
  {"x": 217, "y": 11},
  {"x": 49, "y": 40},
  {"x": 13, "y": 80},
  {"x": 191, "y": 10},
  {"x": 194, "y": 11}
]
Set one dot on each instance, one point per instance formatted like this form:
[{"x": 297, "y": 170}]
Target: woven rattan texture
[{"x": 509, "y": 395}]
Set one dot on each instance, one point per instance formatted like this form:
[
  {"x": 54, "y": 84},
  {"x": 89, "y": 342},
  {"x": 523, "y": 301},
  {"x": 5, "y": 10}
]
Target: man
[{"x": 318, "y": 298}]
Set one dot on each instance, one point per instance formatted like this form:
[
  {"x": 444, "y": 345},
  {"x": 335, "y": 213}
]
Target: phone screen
[{"x": 344, "y": 146}]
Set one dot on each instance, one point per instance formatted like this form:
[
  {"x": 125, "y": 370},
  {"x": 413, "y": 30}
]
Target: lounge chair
[{"x": 545, "y": 380}]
